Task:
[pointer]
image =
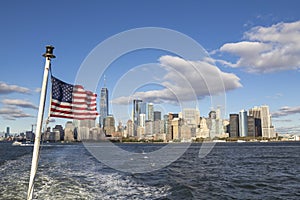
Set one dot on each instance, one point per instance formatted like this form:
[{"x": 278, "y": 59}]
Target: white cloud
[
  {"x": 186, "y": 80},
  {"x": 19, "y": 102},
  {"x": 6, "y": 89},
  {"x": 276, "y": 96},
  {"x": 38, "y": 90},
  {"x": 267, "y": 49},
  {"x": 13, "y": 113},
  {"x": 288, "y": 129},
  {"x": 285, "y": 111}
]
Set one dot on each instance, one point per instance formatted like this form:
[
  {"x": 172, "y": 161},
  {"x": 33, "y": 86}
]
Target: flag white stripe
[{"x": 73, "y": 105}]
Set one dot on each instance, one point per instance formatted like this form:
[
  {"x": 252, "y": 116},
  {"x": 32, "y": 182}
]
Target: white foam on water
[
  {"x": 96, "y": 186},
  {"x": 86, "y": 178},
  {"x": 63, "y": 176},
  {"x": 14, "y": 177}
]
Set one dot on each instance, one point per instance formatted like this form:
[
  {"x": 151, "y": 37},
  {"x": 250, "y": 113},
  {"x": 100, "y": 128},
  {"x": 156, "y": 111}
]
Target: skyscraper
[
  {"x": 103, "y": 106},
  {"x": 243, "y": 123},
  {"x": 263, "y": 123},
  {"x": 150, "y": 112},
  {"x": 191, "y": 116},
  {"x": 136, "y": 115},
  {"x": 7, "y": 132},
  {"x": 234, "y": 125},
  {"x": 256, "y": 113},
  {"x": 157, "y": 115},
  {"x": 266, "y": 122},
  {"x": 136, "y": 110},
  {"x": 129, "y": 127},
  {"x": 143, "y": 108},
  {"x": 251, "y": 126},
  {"x": 142, "y": 120},
  {"x": 109, "y": 125}
]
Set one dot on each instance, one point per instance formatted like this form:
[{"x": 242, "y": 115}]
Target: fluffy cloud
[
  {"x": 19, "y": 102},
  {"x": 13, "y": 113},
  {"x": 286, "y": 110},
  {"x": 6, "y": 89},
  {"x": 267, "y": 49},
  {"x": 186, "y": 80},
  {"x": 288, "y": 129}
]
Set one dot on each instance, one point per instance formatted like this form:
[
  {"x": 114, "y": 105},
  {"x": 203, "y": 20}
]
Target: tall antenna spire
[{"x": 104, "y": 80}]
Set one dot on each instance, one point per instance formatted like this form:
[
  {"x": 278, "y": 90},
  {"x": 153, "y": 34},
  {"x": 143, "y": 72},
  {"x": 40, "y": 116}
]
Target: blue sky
[{"x": 257, "y": 42}]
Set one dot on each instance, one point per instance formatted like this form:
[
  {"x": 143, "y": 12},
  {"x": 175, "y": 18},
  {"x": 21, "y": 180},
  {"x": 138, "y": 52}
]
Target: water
[{"x": 229, "y": 171}]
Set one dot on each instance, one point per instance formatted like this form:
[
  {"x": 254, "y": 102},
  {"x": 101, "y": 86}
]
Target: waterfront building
[
  {"x": 243, "y": 123},
  {"x": 191, "y": 116},
  {"x": 175, "y": 128},
  {"x": 96, "y": 133},
  {"x": 203, "y": 130},
  {"x": 142, "y": 120},
  {"x": 185, "y": 133},
  {"x": 266, "y": 124},
  {"x": 7, "y": 134},
  {"x": 29, "y": 135},
  {"x": 120, "y": 127},
  {"x": 215, "y": 124},
  {"x": 160, "y": 136},
  {"x": 166, "y": 123},
  {"x": 143, "y": 108},
  {"x": 226, "y": 126},
  {"x": 103, "y": 105},
  {"x": 109, "y": 125},
  {"x": 234, "y": 125},
  {"x": 212, "y": 115},
  {"x": 61, "y": 130},
  {"x": 140, "y": 132},
  {"x": 251, "y": 126},
  {"x": 83, "y": 133},
  {"x": 157, "y": 115},
  {"x": 82, "y": 128},
  {"x": 263, "y": 122},
  {"x": 130, "y": 128},
  {"x": 135, "y": 115},
  {"x": 211, "y": 125},
  {"x": 158, "y": 126},
  {"x": 149, "y": 127},
  {"x": 136, "y": 110},
  {"x": 218, "y": 113},
  {"x": 54, "y": 136},
  {"x": 171, "y": 116},
  {"x": 69, "y": 132},
  {"x": 89, "y": 123}
]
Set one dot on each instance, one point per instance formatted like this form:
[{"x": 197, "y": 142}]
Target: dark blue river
[{"x": 229, "y": 171}]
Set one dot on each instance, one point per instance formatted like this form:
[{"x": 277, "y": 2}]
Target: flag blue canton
[{"x": 62, "y": 91}]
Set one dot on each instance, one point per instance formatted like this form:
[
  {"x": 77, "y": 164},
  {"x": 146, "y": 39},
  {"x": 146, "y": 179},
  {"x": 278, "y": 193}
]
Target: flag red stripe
[
  {"x": 73, "y": 106},
  {"x": 91, "y": 94},
  {"x": 74, "y": 117}
]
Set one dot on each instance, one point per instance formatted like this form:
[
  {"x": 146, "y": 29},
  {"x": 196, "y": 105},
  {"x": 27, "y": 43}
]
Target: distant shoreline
[{"x": 131, "y": 142}]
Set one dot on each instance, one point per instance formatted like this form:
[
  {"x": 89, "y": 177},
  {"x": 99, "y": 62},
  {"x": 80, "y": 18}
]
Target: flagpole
[{"x": 35, "y": 156}]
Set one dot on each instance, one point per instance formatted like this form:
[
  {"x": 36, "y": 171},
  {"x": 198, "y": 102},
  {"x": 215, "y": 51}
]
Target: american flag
[{"x": 72, "y": 101}]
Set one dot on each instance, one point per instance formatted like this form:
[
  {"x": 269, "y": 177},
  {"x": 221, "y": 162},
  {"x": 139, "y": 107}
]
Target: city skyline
[
  {"x": 185, "y": 126},
  {"x": 253, "y": 44}
]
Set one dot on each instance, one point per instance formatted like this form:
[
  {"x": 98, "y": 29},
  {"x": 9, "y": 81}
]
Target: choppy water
[{"x": 229, "y": 171}]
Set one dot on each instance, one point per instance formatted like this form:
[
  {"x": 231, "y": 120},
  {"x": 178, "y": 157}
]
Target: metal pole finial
[{"x": 49, "y": 52}]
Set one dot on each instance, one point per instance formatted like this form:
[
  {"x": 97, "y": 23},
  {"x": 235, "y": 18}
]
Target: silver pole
[{"x": 35, "y": 156}]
